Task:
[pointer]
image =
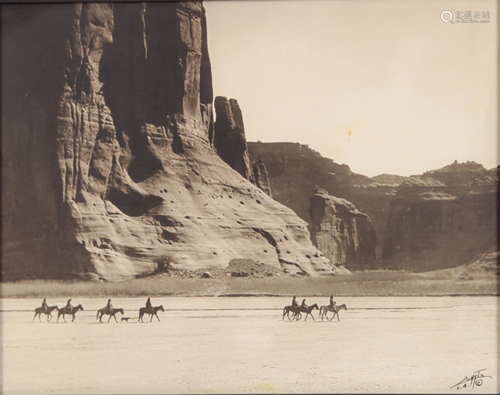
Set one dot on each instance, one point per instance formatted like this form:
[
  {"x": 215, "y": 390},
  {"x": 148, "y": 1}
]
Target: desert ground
[{"x": 242, "y": 345}]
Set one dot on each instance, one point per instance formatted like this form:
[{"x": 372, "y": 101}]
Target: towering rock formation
[
  {"x": 444, "y": 218},
  {"x": 229, "y": 138},
  {"x": 108, "y": 162},
  {"x": 345, "y": 235}
]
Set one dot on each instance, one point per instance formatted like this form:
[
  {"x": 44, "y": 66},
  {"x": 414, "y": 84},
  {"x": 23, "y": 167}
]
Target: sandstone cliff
[
  {"x": 443, "y": 218},
  {"x": 107, "y": 148},
  {"x": 345, "y": 235}
]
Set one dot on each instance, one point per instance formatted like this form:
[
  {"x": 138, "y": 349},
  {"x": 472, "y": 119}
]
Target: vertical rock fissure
[{"x": 144, "y": 38}]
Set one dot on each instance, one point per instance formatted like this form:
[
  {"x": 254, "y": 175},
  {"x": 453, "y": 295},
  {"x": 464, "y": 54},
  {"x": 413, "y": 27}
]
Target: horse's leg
[
  {"x": 73, "y": 320},
  {"x": 109, "y": 319},
  {"x": 114, "y": 316},
  {"x": 34, "y": 317},
  {"x": 157, "y": 317},
  {"x": 49, "y": 317},
  {"x": 312, "y": 316}
]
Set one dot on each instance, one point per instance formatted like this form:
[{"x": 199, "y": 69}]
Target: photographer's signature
[{"x": 475, "y": 380}]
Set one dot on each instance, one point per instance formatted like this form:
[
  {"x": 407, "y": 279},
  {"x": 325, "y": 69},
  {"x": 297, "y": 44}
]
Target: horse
[
  {"x": 307, "y": 310},
  {"x": 48, "y": 311},
  {"x": 152, "y": 312},
  {"x": 70, "y": 311},
  {"x": 293, "y": 309},
  {"x": 337, "y": 309},
  {"x": 323, "y": 311},
  {"x": 111, "y": 313}
]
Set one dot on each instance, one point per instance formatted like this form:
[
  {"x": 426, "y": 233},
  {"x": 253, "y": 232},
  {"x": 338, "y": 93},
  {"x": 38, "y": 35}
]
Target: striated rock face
[
  {"x": 107, "y": 147},
  {"x": 345, "y": 235},
  {"x": 229, "y": 138},
  {"x": 443, "y": 218}
]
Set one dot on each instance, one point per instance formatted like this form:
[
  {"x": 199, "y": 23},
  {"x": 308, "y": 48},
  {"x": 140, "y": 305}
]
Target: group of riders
[
  {"x": 69, "y": 308},
  {"x": 304, "y": 306},
  {"x": 297, "y": 309},
  {"x": 109, "y": 306}
]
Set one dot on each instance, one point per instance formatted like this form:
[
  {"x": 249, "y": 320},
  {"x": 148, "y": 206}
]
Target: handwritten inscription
[{"x": 475, "y": 380}]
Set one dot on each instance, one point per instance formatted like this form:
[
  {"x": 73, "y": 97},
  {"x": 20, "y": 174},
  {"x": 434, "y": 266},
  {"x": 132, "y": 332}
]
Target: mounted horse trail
[{"x": 153, "y": 312}]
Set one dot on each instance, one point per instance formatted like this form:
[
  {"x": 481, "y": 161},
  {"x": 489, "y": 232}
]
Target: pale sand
[{"x": 380, "y": 345}]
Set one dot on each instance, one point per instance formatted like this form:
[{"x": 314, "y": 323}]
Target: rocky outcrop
[
  {"x": 229, "y": 139},
  {"x": 107, "y": 150},
  {"x": 443, "y": 218},
  {"x": 261, "y": 178},
  {"x": 295, "y": 169},
  {"x": 345, "y": 235}
]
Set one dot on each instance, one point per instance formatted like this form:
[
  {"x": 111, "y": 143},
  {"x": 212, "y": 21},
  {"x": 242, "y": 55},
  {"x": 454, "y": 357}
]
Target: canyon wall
[
  {"x": 444, "y": 218},
  {"x": 108, "y": 150}
]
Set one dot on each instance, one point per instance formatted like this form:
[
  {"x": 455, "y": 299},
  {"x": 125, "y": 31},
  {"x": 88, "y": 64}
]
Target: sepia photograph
[{"x": 249, "y": 197}]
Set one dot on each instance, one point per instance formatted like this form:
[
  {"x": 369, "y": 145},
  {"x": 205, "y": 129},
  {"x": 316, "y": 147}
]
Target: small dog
[{"x": 125, "y": 319}]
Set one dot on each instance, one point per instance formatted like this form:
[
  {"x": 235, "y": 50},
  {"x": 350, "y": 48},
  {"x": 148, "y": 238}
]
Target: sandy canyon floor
[{"x": 236, "y": 345}]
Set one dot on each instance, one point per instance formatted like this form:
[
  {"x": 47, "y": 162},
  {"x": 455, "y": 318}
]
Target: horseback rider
[
  {"x": 332, "y": 303},
  {"x": 45, "y": 306},
  {"x": 68, "y": 306},
  {"x": 294, "y": 302},
  {"x": 304, "y": 304},
  {"x": 109, "y": 306},
  {"x": 148, "y": 305}
]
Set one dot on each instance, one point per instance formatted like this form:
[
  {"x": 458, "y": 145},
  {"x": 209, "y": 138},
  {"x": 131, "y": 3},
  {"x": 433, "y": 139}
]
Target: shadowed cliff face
[
  {"x": 229, "y": 138},
  {"x": 108, "y": 148}
]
